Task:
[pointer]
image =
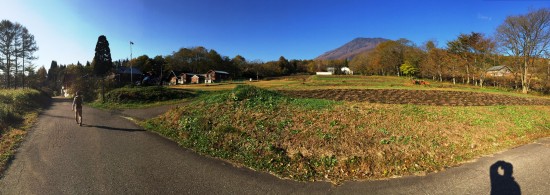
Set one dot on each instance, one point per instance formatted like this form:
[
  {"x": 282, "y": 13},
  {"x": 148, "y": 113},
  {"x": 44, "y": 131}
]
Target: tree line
[
  {"x": 200, "y": 60},
  {"x": 521, "y": 44},
  {"x": 17, "y": 46}
]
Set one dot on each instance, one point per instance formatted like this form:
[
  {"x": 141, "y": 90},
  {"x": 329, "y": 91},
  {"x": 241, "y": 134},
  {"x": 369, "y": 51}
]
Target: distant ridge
[{"x": 352, "y": 48}]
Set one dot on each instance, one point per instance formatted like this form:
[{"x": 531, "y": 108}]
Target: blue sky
[{"x": 67, "y": 30}]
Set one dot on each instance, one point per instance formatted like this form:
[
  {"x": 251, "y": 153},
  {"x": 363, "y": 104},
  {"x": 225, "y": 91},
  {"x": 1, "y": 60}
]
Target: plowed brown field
[{"x": 420, "y": 97}]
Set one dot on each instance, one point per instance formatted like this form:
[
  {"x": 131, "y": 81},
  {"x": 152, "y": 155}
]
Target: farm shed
[
  {"x": 197, "y": 78},
  {"x": 188, "y": 77},
  {"x": 499, "y": 71},
  {"x": 185, "y": 78},
  {"x": 213, "y": 76},
  {"x": 173, "y": 80}
]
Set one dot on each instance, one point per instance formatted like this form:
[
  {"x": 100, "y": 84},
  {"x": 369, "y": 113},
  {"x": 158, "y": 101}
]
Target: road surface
[{"x": 111, "y": 155}]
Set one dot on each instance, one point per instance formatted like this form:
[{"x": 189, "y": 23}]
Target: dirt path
[{"x": 420, "y": 97}]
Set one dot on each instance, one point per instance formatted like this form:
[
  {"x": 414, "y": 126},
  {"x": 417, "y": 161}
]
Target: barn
[
  {"x": 216, "y": 76},
  {"x": 499, "y": 71},
  {"x": 197, "y": 78},
  {"x": 186, "y": 78}
]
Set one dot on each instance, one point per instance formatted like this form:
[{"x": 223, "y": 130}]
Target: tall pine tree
[
  {"x": 16, "y": 45},
  {"x": 52, "y": 75},
  {"x": 28, "y": 47},
  {"x": 102, "y": 62}
]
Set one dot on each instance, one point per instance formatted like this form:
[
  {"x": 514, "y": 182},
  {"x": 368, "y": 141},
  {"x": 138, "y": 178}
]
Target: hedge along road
[{"x": 111, "y": 155}]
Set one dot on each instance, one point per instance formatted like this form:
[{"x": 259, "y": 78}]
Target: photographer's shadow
[{"x": 502, "y": 181}]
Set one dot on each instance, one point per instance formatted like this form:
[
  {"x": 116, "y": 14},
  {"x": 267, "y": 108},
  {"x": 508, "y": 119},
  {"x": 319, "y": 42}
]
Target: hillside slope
[{"x": 352, "y": 48}]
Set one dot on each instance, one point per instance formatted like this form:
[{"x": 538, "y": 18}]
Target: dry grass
[
  {"x": 11, "y": 137},
  {"x": 339, "y": 141},
  {"x": 18, "y": 111},
  {"x": 269, "y": 84},
  {"x": 8, "y": 142},
  {"x": 305, "y": 82}
]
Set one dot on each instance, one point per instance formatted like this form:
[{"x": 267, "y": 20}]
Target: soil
[{"x": 419, "y": 97}]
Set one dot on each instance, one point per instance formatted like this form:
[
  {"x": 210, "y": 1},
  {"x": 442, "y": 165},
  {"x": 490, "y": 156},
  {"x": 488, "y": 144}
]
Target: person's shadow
[{"x": 503, "y": 183}]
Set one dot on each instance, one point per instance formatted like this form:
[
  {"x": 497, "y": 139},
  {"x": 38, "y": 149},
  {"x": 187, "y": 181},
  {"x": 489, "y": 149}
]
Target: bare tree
[{"x": 525, "y": 37}]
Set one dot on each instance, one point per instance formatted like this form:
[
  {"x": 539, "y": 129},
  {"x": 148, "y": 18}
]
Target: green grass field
[{"x": 314, "y": 139}]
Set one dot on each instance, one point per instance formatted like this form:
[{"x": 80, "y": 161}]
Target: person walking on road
[{"x": 77, "y": 107}]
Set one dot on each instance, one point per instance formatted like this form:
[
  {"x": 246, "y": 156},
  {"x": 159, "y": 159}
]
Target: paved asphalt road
[{"x": 111, "y": 155}]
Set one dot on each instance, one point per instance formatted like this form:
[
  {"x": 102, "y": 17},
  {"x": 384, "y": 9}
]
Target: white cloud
[{"x": 484, "y": 17}]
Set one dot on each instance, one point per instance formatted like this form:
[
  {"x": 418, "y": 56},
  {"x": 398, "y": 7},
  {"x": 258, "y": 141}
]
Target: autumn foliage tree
[
  {"x": 408, "y": 69},
  {"x": 527, "y": 38},
  {"x": 474, "y": 50},
  {"x": 435, "y": 63}
]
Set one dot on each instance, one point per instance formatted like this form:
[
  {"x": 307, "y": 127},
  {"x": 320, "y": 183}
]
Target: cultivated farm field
[
  {"x": 418, "y": 97},
  {"x": 339, "y": 128},
  {"x": 386, "y": 90}
]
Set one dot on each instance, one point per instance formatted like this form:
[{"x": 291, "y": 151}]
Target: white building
[
  {"x": 346, "y": 71},
  {"x": 323, "y": 73}
]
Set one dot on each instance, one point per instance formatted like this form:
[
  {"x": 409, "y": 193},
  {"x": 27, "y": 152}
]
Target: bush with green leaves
[
  {"x": 15, "y": 103},
  {"x": 247, "y": 125},
  {"x": 145, "y": 94}
]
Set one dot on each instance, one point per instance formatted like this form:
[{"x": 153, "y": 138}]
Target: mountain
[{"x": 352, "y": 48}]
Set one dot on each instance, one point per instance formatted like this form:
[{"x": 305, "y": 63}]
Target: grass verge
[
  {"x": 18, "y": 111},
  {"x": 311, "y": 139}
]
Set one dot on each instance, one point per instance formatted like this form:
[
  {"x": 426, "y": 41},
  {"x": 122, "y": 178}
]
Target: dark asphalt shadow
[
  {"x": 110, "y": 128},
  {"x": 503, "y": 183}
]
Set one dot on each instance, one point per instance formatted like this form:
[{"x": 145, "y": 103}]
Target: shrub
[
  {"x": 254, "y": 97},
  {"x": 145, "y": 94},
  {"x": 7, "y": 116},
  {"x": 15, "y": 103},
  {"x": 248, "y": 92}
]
